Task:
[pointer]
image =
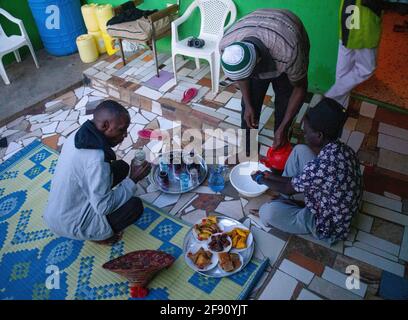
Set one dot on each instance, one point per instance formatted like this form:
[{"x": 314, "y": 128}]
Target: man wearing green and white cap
[{"x": 268, "y": 46}]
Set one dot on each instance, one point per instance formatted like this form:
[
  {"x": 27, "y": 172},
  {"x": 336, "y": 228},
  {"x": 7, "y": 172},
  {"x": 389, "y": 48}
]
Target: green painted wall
[
  {"x": 319, "y": 16},
  {"x": 21, "y": 10}
]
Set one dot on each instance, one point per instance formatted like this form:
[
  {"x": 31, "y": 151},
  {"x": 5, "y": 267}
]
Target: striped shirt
[{"x": 281, "y": 39}]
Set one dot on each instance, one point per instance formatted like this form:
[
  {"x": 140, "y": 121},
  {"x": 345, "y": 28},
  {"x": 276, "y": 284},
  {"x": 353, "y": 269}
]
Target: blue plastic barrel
[{"x": 59, "y": 23}]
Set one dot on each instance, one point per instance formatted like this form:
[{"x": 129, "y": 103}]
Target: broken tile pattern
[{"x": 156, "y": 105}]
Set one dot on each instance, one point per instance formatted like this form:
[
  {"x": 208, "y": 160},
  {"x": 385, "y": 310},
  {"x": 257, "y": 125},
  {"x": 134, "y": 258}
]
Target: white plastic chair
[
  {"x": 12, "y": 43},
  {"x": 213, "y": 17}
]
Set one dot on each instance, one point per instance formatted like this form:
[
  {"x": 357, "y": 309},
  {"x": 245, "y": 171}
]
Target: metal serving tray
[
  {"x": 174, "y": 182},
  {"x": 225, "y": 223}
]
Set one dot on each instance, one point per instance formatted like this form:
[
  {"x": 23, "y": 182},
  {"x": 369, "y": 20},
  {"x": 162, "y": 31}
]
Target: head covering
[
  {"x": 238, "y": 60},
  {"x": 328, "y": 117}
]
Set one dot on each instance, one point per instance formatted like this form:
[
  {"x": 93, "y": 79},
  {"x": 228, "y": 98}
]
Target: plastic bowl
[{"x": 240, "y": 177}]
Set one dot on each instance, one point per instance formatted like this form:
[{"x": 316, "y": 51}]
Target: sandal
[{"x": 189, "y": 95}]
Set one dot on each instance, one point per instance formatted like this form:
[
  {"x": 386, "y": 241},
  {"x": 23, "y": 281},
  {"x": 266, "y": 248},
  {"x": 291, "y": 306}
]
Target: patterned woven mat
[{"x": 31, "y": 256}]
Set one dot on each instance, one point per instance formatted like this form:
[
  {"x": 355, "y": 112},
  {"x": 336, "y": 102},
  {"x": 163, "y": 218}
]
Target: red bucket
[{"x": 276, "y": 159}]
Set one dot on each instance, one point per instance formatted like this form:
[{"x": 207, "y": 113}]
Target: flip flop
[
  {"x": 189, "y": 95},
  {"x": 149, "y": 134}
]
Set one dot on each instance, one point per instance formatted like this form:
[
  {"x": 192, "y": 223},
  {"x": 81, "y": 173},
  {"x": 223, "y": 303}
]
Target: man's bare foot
[{"x": 110, "y": 241}]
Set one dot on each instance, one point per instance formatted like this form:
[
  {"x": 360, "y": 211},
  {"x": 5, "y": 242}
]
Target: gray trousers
[{"x": 283, "y": 213}]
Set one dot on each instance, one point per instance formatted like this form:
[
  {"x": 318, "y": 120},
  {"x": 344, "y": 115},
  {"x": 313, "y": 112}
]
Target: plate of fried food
[
  {"x": 200, "y": 259},
  {"x": 241, "y": 238},
  {"x": 218, "y": 246},
  {"x": 230, "y": 261},
  {"x": 204, "y": 228},
  {"x": 219, "y": 242}
]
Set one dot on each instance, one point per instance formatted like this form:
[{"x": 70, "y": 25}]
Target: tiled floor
[{"x": 300, "y": 267}]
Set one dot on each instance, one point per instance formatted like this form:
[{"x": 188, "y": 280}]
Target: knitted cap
[{"x": 238, "y": 60}]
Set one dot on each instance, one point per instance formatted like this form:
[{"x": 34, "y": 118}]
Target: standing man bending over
[
  {"x": 91, "y": 196},
  {"x": 268, "y": 46}
]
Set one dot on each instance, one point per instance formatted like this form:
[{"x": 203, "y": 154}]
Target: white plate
[
  {"x": 241, "y": 180},
  {"x": 193, "y": 249},
  {"x": 226, "y": 249},
  {"x": 249, "y": 240},
  {"x": 234, "y": 271},
  {"x": 195, "y": 235}
]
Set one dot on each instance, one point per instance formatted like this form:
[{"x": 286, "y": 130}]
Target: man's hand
[
  {"x": 138, "y": 173},
  {"x": 280, "y": 139},
  {"x": 249, "y": 117}
]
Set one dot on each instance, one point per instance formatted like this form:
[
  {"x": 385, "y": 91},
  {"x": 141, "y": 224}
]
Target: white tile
[
  {"x": 382, "y": 201},
  {"x": 79, "y": 92},
  {"x": 167, "y": 86},
  {"x": 223, "y": 97},
  {"x": 189, "y": 209},
  {"x": 27, "y": 141},
  {"x": 148, "y": 115},
  {"x": 13, "y": 147},
  {"x": 9, "y": 132},
  {"x": 378, "y": 243},
  {"x": 167, "y": 124},
  {"x": 192, "y": 217},
  {"x": 150, "y": 197},
  {"x": 281, "y": 287},
  {"x": 126, "y": 143},
  {"x": 50, "y": 128},
  {"x": 234, "y": 104},
  {"x": 70, "y": 129},
  {"x": 51, "y": 104},
  {"x": 82, "y": 103},
  {"x": 340, "y": 279},
  {"x": 138, "y": 118},
  {"x": 393, "y": 131},
  {"x": 355, "y": 140},
  {"x": 204, "y": 189},
  {"x": 149, "y": 93},
  {"x": 302, "y": 112},
  {"x": 265, "y": 115},
  {"x": 263, "y": 150},
  {"x": 268, "y": 133},
  {"x": 183, "y": 202},
  {"x": 362, "y": 222},
  {"x": 266, "y": 141},
  {"x": 392, "y": 196},
  {"x": 61, "y": 117},
  {"x": 270, "y": 91},
  {"x": 307, "y": 295},
  {"x": 267, "y": 245},
  {"x": 234, "y": 121},
  {"x": 345, "y": 135},
  {"x": 331, "y": 291},
  {"x": 184, "y": 72},
  {"x": 375, "y": 260},
  {"x": 393, "y": 144},
  {"x": 64, "y": 125},
  {"x": 229, "y": 113},
  {"x": 231, "y": 209},
  {"x": 73, "y": 116},
  {"x": 385, "y": 214},
  {"x": 165, "y": 200},
  {"x": 404, "y": 246},
  {"x": 296, "y": 271},
  {"x": 368, "y": 109},
  {"x": 258, "y": 222},
  {"x": 208, "y": 110},
  {"x": 374, "y": 250},
  {"x": 393, "y": 161}
]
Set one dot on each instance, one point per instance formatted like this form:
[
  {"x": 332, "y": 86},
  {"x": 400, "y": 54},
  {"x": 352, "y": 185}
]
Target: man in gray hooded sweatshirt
[{"x": 92, "y": 196}]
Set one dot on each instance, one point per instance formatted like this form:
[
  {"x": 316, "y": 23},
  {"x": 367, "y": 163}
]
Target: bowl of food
[
  {"x": 230, "y": 262},
  {"x": 206, "y": 227},
  {"x": 241, "y": 238},
  {"x": 200, "y": 259},
  {"x": 241, "y": 180},
  {"x": 219, "y": 242}
]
